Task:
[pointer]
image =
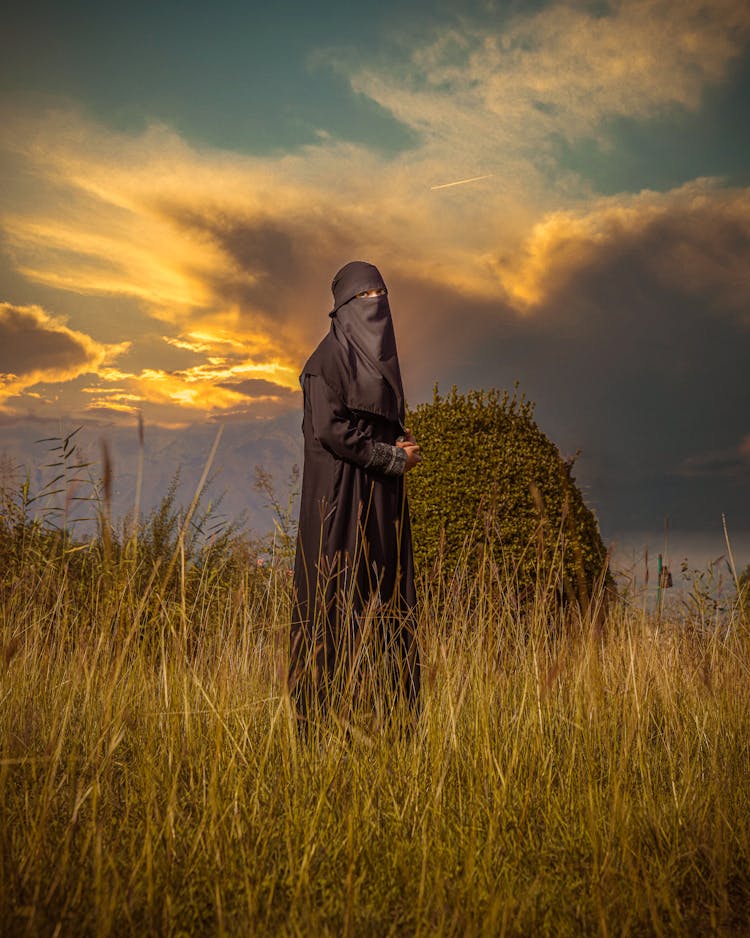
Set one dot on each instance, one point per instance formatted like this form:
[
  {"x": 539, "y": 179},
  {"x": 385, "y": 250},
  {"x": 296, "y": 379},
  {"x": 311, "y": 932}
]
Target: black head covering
[{"x": 363, "y": 326}]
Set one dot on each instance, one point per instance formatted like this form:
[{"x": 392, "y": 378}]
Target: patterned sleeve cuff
[{"x": 390, "y": 460}]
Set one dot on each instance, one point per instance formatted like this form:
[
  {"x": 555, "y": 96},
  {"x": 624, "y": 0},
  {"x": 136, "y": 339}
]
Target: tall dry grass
[{"x": 567, "y": 775}]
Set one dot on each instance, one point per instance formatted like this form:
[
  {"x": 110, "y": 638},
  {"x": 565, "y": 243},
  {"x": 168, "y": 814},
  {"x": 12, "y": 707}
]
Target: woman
[{"x": 353, "y": 571}]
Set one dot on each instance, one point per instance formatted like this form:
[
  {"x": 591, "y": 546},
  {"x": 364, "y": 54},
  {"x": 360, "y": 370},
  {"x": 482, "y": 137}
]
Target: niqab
[{"x": 363, "y": 326}]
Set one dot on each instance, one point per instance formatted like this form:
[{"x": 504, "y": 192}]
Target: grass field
[{"x": 563, "y": 778}]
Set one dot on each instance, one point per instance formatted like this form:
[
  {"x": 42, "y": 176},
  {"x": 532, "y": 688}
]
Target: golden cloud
[
  {"x": 37, "y": 347},
  {"x": 221, "y": 384},
  {"x": 230, "y": 255},
  {"x": 692, "y": 240}
]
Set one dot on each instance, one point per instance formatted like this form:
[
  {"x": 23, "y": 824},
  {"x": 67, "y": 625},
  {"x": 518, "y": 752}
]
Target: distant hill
[{"x": 274, "y": 444}]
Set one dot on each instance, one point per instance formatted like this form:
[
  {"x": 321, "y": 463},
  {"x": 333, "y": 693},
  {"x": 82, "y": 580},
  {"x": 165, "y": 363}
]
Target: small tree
[{"x": 491, "y": 478}]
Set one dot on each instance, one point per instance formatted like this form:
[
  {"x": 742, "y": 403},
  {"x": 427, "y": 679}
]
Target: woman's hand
[{"x": 412, "y": 449}]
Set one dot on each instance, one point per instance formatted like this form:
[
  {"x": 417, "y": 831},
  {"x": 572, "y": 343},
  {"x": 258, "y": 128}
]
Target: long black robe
[{"x": 354, "y": 564}]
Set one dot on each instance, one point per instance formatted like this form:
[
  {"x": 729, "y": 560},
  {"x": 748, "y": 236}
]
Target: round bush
[{"x": 491, "y": 478}]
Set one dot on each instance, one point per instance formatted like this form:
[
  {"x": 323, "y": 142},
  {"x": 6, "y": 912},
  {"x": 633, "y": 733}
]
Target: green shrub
[{"x": 491, "y": 479}]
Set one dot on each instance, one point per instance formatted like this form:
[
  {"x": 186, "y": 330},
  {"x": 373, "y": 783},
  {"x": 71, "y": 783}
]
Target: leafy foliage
[{"x": 491, "y": 479}]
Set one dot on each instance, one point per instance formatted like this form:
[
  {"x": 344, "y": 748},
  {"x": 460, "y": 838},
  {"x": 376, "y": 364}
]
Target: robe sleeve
[{"x": 334, "y": 428}]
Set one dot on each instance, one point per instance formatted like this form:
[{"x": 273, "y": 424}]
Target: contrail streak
[{"x": 461, "y": 182}]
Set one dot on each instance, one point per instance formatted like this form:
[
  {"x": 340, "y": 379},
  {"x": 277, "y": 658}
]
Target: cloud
[
  {"x": 36, "y": 347},
  {"x": 635, "y": 344},
  {"x": 694, "y": 240},
  {"x": 559, "y": 72},
  {"x": 580, "y": 273},
  {"x": 228, "y": 257},
  {"x": 265, "y": 261},
  {"x": 205, "y": 235},
  {"x": 259, "y": 388},
  {"x": 217, "y": 385},
  {"x": 200, "y": 391},
  {"x": 732, "y": 462}
]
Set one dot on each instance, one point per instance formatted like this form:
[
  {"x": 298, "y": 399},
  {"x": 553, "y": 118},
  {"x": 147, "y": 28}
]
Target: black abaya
[{"x": 353, "y": 571}]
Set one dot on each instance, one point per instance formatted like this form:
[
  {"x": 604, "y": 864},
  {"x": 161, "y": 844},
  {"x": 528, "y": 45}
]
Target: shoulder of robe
[{"x": 328, "y": 361}]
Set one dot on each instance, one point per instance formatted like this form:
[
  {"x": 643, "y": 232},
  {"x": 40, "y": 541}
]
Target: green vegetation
[
  {"x": 586, "y": 779},
  {"x": 492, "y": 479}
]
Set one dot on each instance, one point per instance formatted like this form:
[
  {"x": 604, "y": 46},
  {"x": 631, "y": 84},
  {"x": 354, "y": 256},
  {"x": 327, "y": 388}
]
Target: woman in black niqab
[{"x": 354, "y": 570}]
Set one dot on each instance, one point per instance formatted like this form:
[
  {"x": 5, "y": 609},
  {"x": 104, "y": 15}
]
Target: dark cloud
[
  {"x": 440, "y": 332},
  {"x": 638, "y": 355},
  {"x": 732, "y": 463},
  {"x": 31, "y": 343},
  {"x": 111, "y": 415},
  {"x": 264, "y": 248},
  {"x": 270, "y": 263},
  {"x": 258, "y": 387},
  {"x": 259, "y": 247}
]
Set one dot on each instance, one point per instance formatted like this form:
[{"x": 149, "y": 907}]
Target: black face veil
[{"x": 363, "y": 326}]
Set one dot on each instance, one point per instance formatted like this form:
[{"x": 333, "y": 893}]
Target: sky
[{"x": 181, "y": 181}]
